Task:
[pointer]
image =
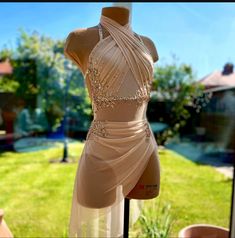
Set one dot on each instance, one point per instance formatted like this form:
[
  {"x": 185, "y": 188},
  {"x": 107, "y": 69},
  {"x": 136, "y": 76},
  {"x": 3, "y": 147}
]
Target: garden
[{"x": 36, "y": 193}]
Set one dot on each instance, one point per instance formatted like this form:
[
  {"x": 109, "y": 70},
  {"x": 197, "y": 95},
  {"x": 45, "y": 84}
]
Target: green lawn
[{"x": 36, "y": 195}]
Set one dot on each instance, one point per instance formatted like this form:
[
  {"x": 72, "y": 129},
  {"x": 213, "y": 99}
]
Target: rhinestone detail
[
  {"x": 148, "y": 132},
  {"x": 102, "y": 99},
  {"x": 97, "y": 128}
]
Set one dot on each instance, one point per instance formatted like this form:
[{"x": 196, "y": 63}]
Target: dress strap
[
  {"x": 137, "y": 55},
  {"x": 100, "y": 31},
  {"x": 140, "y": 38}
]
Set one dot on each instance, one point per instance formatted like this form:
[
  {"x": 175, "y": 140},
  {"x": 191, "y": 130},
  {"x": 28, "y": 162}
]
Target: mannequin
[
  {"x": 4, "y": 229},
  {"x": 79, "y": 45}
]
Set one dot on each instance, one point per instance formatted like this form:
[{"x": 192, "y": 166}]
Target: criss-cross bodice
[{"x": 119, "y": 73}]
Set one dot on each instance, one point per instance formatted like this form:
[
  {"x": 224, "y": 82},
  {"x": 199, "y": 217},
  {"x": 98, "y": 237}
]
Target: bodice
[{"x": 120, "y": 68}]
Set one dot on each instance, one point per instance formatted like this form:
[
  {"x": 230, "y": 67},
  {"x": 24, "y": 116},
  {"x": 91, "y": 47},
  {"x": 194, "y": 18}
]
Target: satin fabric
[{"x": 116, "y": 151}]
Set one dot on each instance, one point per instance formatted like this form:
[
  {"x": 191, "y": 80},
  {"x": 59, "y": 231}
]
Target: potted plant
[{"x": 203, "y": 231}]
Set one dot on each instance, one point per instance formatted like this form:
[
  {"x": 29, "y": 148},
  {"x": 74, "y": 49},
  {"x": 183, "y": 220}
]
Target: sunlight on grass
[
  {"x": 36, "y": 195},
  {"x": 196, "y": 193}
]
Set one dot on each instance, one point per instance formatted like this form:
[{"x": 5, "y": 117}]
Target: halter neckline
[{"x": 107, "y": 19}]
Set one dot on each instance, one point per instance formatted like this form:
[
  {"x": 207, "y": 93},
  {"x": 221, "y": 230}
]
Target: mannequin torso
[
  {"x": 82, "y": 41},
  {"x": 80, "y": 44}
]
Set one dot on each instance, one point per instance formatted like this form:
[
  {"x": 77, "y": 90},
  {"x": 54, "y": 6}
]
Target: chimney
[{"x": 228, "y": 69}]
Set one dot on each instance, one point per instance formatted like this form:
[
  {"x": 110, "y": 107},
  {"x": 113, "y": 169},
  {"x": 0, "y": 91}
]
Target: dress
[{"x": 120, "y": 141}]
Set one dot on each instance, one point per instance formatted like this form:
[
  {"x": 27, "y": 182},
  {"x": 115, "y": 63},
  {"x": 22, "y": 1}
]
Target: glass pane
[{"x": 50, "y": 86}]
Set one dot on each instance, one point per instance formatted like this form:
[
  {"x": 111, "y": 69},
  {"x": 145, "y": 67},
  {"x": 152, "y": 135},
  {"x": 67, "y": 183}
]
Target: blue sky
[{"x": 199, "y": 34}]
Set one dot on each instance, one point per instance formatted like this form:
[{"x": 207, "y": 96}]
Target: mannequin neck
[{"x": 118, "y": 14}]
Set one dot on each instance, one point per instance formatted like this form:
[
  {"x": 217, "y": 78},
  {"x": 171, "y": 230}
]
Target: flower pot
[{"x": 203, "y": 231}]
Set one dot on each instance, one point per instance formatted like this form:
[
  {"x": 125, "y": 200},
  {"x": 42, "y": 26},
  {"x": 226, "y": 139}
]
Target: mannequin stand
[{"x": 126, "y": 218}]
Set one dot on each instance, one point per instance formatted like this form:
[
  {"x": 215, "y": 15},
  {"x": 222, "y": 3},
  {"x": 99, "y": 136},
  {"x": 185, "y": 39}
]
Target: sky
[{"x": 199, "y": 34}]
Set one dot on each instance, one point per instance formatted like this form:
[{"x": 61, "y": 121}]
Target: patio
[{"x": 208, "y": 153}]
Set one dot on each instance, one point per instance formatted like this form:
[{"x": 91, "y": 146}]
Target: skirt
[{"x": 113, "y": 159}]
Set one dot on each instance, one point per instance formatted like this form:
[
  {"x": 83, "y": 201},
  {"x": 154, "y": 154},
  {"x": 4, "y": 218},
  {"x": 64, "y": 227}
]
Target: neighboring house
[
  {"x": 217, "y": 119},
  {"x": 221, "y": 85},
  {"x": 219, "y": 79},
  {"x": 6, "y": 114},
  {"x": 5, "y": 67}
]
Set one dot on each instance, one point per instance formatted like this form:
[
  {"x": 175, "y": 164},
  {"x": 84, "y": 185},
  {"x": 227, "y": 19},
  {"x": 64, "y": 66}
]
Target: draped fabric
[
  {"x": 116, "y": 152},
  {"x": 136, "y": 54}
]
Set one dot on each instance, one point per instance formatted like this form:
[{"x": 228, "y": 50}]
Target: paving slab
[{"x": 205, "y": 153}]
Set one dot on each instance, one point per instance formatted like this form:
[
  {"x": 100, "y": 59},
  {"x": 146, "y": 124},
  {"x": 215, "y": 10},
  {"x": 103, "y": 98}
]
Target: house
[
  {"x": 217, "y": 119},
  {"x": 219, "y": 79},
  {"x": 5, "y": 67}
]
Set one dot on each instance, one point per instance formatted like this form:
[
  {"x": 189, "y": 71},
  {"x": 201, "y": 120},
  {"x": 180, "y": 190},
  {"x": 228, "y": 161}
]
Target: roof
[
  {"x": 217, "y": 79},
  {"x": 219, "y": 88},
  {"x": 5, "y": 68}
]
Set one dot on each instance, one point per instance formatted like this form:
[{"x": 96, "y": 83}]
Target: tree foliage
[
  {"x": 39, "y": 71},
  {"x": 175, "y": 84}
]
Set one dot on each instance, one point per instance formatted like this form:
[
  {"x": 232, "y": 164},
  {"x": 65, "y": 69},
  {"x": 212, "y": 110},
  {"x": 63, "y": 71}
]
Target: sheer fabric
[{"x": 120, "y": 141}]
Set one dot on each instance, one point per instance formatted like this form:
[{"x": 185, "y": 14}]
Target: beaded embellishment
[
  {"x": 97, "y": 128},
  {"x": 103, "y": 99},
  {"x": 147, "y": 130}
]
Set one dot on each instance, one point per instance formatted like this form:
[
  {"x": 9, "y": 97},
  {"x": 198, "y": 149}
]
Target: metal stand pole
[
  {"x": 126, "y": 218},
  {"x": 65, "y": 158}
]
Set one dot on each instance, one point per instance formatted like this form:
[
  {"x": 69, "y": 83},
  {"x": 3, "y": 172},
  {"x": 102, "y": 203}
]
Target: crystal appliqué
[
  {"x": 147, "y": 131},
  {"x": 97, "y": 128},
  {"x": 105, "y": 100}
]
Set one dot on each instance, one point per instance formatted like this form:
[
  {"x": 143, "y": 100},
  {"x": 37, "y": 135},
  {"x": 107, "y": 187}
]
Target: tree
[
  {"x": 178, "y": 89},
  {"x": 38, "y": 71}
]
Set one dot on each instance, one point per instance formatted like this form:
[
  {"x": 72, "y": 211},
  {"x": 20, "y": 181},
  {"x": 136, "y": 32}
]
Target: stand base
[
  {"x": 126, "y": 218},
  {"x": 65, "y": 161}
]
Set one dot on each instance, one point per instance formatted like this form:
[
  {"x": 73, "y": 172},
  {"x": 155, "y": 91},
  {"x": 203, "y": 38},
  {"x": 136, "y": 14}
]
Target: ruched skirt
[{"x": 113, "y": 159}]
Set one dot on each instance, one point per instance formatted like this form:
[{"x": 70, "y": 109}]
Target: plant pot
[{"x": 203, "y": 231}]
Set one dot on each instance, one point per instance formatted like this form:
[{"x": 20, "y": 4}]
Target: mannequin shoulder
[
  {"x": 151, "y": 46},
  {"x": 79, "y": 36},
  {"x": 77, "y": 44}
]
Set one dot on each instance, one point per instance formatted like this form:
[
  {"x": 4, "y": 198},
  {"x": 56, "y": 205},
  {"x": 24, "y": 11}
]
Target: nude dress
[{"x": 119, "y": 142}]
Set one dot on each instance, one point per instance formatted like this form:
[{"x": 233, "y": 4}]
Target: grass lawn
[
  {"x": 36, "y": 195},
  {"x": 197, "y": 193}
]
